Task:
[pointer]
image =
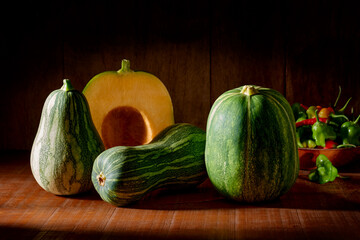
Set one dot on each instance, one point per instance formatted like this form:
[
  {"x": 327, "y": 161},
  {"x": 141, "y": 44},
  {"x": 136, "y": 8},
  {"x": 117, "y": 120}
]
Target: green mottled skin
[
  {"x": 251, "y": 153},
  {"x": 174, "y": 159},
  {"x": 66, "y": 144}
]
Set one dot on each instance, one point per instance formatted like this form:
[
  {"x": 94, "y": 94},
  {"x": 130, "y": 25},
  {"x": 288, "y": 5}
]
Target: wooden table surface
[{"x": 307, "y": 211}]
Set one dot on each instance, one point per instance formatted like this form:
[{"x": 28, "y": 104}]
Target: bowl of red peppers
[{"x": 327, "y": 131}]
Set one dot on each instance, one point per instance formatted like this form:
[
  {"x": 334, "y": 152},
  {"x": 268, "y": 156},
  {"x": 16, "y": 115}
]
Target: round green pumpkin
[{"x": 251, "y": 153}]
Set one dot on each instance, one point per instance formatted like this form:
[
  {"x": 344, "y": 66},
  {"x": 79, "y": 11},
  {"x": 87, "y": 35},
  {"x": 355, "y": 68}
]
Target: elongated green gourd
[
  {"x": 66, "y": 143},
  {"x": 174, "y": 159},
  {"x": 251, "y": 153}
]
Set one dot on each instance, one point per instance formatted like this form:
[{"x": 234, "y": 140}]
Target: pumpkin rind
[
  {"x": 174, "y": 159},
  {"x": 251, "y": 153},
  {"x": 66, "y": 143}
]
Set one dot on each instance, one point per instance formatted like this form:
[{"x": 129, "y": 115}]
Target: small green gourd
[
  {"x": 66, "y": 143},
  {"x": 173, "y": 159}
]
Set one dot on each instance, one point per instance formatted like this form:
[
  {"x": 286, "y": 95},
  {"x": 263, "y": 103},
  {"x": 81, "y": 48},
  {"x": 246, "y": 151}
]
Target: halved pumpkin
[{"x": 128, "y": 107}]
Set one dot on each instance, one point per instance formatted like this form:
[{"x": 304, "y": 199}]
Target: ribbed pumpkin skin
[
  {"x": 66, "y": 144},
  {"x": 251, "y": 153},
  {"x": 174, "y": 159}
]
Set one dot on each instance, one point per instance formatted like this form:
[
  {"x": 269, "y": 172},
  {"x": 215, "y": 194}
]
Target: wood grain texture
[
  {"x": 323, "y": 52},
  {"x": 168, "y": 39},
  {"x": 247, "y": 45},
  {"x": 307, "y": 211},
  {"x": 199, "y": 49},
  {"x": 31, "y": 61}
]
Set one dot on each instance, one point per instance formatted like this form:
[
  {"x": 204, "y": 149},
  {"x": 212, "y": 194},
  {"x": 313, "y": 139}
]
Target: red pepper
[
  {"x": 330, "y": 144},
  {"x": 310, "y": 121},
  {"x": 305, "y": 107}
]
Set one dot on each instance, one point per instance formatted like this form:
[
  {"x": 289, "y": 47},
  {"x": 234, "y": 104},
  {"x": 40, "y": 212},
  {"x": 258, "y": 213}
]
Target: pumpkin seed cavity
[{"x": 124, "y": 126}]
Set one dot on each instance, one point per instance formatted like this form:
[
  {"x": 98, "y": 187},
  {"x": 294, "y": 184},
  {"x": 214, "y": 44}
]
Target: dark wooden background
[{"x": 305, "y": 49}]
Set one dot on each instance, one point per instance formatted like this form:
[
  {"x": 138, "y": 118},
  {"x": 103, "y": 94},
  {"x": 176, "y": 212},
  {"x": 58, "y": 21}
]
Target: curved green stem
[
  {"x": 344, "y": 107},
  {"x": 346, "y": 146},
  {"x": 338, "y": 97},
  {"x": 357, "y": 120},
  {"x": 343, "y": 177},
  {"x": 316, "y": 115},
  {"x": 339, "y": 116}
]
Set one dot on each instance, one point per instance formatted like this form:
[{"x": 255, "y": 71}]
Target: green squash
[
  {"x": 251, "y": 153},
  {"x": 66, "y": 143},
  {"x": 173, "y": 159}
]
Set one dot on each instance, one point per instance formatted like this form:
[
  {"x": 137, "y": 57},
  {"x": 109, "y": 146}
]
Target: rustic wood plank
[
  {"x": 247, "y": 45},
  {"x": 198, "y": 49},
  {"x": 308, "y": 210},
  {"x": 167, "y": 39},
  {"x": 329, "y": 224},
  {"x": 322, "y": 48},
  {"x": 32, "y": 64},
  {"x": 269, "y": 222}
]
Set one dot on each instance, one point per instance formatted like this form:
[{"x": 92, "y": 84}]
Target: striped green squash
[
  {"x": 66, "y": 143},
  {"x": 251, "y": 153},
  {"x": 173, "y": 159}
]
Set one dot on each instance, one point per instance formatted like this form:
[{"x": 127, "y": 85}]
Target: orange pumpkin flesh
[{"x": 128, "y": 108}]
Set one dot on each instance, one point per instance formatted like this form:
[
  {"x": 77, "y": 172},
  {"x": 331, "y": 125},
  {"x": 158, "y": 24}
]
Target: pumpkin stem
[
  {"x": 125, "y": 66},
  {"x": 67, "y": 86},
  {"x": 249, "y": 90},
  {"x": 101, "y": 179}
]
